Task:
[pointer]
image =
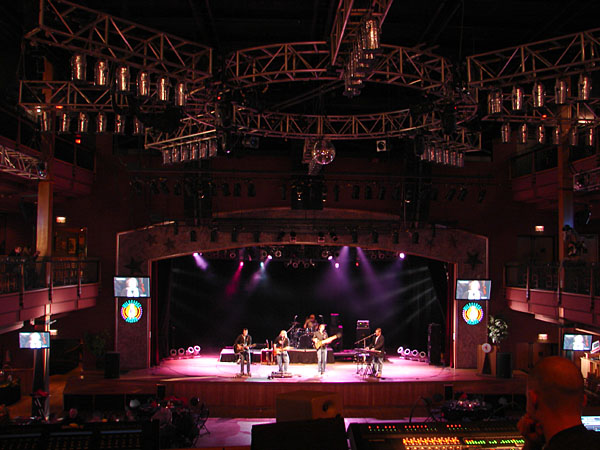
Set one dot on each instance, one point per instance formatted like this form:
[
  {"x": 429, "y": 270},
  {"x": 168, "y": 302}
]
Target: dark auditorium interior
[{"x": 174, "y": 172}]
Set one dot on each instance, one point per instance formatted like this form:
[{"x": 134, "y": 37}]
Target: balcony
[
  {"x": 33, "y": 288},
  {"x": 536, "y": 289}
]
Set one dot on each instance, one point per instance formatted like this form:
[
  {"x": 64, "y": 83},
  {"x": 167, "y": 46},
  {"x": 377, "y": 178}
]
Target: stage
[{"x": 401, "y": 388}]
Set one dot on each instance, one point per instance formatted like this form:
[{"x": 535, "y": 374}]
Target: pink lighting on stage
[
  {"x": 402, "y": 255},
  {"x": 269, "y": 257},
  {"x": 241, "y": 263},
  {"x": 200, "y": 261},
  {"x": 337, "y": 265},
  {"x": 234, "y": 284},
  {"x": 330, "y": 257}
]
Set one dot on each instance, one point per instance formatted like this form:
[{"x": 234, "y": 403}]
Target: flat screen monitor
[
  {"x": 577, "y": 342},
  {"x": 595, "y": 347},
  {"x": 131, "y": 287},
  {"x": 473, "y": 289},
  {"x": 34, "y": 339}
]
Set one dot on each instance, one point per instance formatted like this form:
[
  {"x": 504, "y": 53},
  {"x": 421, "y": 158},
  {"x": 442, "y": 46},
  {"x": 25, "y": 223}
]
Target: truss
[
  {"x": 16, "y": 163},
  {"x": 193, "y": 129},
  {"x": 78, "y": 29},
  {"x": 587, "y": 181},
  {"x": 561, "y": 56}
]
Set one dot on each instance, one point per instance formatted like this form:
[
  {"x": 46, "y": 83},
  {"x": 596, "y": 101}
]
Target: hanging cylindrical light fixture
[
  {"x": 180, "y": 94},
  {"x": 495, "y": 102},
  {"x": 143, "y": 84},
  {"x": 195, "y": 151},
  {"x": 78, "y": 67},
  {"x": 122, "y": 79},
  {"x": 538, "y": 94},
  {"x": 573, "y": 136},
  {"x": 460, "y": 159},
  {"x": 584, "y": 86},
  {"x": 46, "y": 121},
  {"x": 166, "y": 154},
  {"x": 163, "y": 89},
  {"x": 505, "y": 133},
  {"x": 517, "y": 98},
  {"x": 101, "y": 123},
  {"x": 119, "y": 124},
  {"x": 101, "y": 73},
  {"x": 430, "y": 152},
  {"x": 453, "y": 158},
  {"x": 64, "y": 122},
  {"x": 590, "y": 135},
  {"x": 540, "y": 134},
  {"x": 439, "y": 157},
  {"x": 138, "y": 127},
  {"x": 556, "y": 135},
  {"x": 371, "y": 27},
  {"x": 83, "y": 122},
  {"x": 446, "y": 156},
  {"x": 175, "y": 154},
  {"x": 561, "y": 91},
  {"x": 523, "y": 133}
]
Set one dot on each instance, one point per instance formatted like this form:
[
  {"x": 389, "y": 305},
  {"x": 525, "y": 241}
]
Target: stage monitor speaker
[
  {"x": 111, "y": 364},
  {"x": 300, "y": 435},
  {"x": 307, "y": 405},
  {"x": 503, "y": 365},
  {"x": 434, "y": 344}
]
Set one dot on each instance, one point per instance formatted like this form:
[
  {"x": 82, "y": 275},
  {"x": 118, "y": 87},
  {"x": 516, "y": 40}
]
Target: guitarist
[
  {"x": 318, "y": 337},
  {"x": 281, "y": 345},
  {"x": 242, "y": 346},
  {"x": 378, "y": 346}
]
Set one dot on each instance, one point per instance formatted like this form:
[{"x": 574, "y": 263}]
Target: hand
[{"x": 532, "y": 431}]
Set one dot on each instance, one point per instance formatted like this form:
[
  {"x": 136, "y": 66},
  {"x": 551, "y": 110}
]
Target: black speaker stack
[{"x": 434, "y": 344}]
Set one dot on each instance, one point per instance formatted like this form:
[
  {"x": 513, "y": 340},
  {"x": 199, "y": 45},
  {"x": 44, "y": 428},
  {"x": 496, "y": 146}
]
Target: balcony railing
[
  {"x": 578, "y": 278},
  {"x": 18, "y": 274}
]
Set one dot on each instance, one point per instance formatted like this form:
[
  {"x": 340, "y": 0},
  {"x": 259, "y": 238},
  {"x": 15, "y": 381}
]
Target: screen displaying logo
[
  {"x": 131, "y": 311},
  {"x": 472, "y": 313}
]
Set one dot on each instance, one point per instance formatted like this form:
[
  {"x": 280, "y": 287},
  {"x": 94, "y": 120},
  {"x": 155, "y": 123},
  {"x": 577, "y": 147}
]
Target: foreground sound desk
[{"x": 435, "y": 436}]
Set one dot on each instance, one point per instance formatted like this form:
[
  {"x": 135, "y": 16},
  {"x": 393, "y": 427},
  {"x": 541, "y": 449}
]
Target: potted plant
[
  {"x": 96, "y": 344},
  {"x": 497, "y": 332}
]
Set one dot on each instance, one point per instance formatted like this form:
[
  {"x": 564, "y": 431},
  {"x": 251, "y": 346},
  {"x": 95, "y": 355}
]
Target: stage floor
[{"x": 218, "y": 384}]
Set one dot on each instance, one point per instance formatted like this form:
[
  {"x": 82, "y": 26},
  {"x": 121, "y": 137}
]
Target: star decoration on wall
[
  {"x": 134, "y": 266},
  {"x": 151, "y": 239},
  {"x": 473, "y": 259},
  {"x": 170, "y": 244}
]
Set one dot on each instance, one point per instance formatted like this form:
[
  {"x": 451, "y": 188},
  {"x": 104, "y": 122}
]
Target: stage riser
[{"x": 296, "y": 356}]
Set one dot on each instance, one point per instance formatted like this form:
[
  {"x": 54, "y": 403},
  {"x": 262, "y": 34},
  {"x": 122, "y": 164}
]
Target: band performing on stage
[{"x": 369, "y": 351}]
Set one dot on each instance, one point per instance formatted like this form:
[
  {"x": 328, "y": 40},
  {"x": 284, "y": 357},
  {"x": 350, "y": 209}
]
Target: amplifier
[{"x": 435, "y": 436}]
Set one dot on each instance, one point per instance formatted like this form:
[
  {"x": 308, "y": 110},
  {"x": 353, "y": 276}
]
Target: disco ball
[{"x": 323, "y": 152}]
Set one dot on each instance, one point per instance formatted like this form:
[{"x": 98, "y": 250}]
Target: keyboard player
[{"x": 378, "y": 347}]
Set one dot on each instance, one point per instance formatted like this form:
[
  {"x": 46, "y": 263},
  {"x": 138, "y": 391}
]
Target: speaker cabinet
[
  {"x": 111, "y": 364},
  {"x": 327, "y": 434},
  {"x": 307, "y": 405},
  {"x": 434, "y": 344},
  {"x": 503, "y": 365}
]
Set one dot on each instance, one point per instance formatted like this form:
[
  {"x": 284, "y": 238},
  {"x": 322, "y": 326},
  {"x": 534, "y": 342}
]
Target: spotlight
[
  {"x": 295, "y": 264},
  {"x": 180, "y": 94},
  {"x": 101, "y": 123},
  {"x": 561, "y": 91},
  {"x": 402, "y": 255},
  {"x": 277, "y": 253},
  {"x": 381, "y": 145},
  {"x": 122, "y": 79},
  {"x": 78, "y": 67},
  {"x": 163, "y": 89},
  {"x": 232, "y": 254},
  {"x": 584, "y": 87},
  {"x": 321, "y": 237},
  {"x": 101, "y": 73},
  {"x": 539, "y": 92},
  {"x": 143, "y": 84},
  {"x": 337, "y": 265}
]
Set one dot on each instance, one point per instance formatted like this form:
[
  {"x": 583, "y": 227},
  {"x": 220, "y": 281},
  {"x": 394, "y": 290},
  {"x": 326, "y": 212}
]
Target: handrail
[
  {"x": 579, "y": 278},
  {"x": 28, "y": 274}
]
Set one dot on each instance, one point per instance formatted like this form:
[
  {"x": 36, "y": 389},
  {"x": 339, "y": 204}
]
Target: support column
[{"x": 565, "y": 188}]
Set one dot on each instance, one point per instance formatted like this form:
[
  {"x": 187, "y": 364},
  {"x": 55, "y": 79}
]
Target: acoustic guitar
[{"x": 321, "y": 343}]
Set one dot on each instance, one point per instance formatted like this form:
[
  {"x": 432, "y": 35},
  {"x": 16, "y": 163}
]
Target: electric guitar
[
  {"x": 279, "y": 350},
  {"x": 321, "y": 343}
]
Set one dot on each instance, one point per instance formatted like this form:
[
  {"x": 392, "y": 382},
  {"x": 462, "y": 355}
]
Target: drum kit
[{"x": 301, "y": 338}]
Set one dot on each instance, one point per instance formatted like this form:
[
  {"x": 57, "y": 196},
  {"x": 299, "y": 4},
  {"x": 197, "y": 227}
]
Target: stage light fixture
[
  {"x": 556, "y": 135},
  {"x": 538, "y": 94},
  {"x": 122, "y": 79},
  {"x": 460, "y": 159},
  {"x": 439, "y": 155},
  {"x": 46, "y": 122},
  {"x": 180, "y": 94},
  {"x": 540, "y": 134},
  {"x": 277, "y": 253},
  {"x": 381, "y": 145},
  {"x": 402, "y": 255},
  {"x": 101, "y": 123},
  {"x": 180, "y": 351},
  {"x": 163, "y": 89},
  {"x": 64, "y": 122},
  {"x": 523, "y": 133},
  {"x": 78, "y": 67},
  {"x": 173, "y": 353},
  {"x": 143, "y": 84},
  {"x": 589, "y": 136},
  {"x": 495, "y": 102},
  {"x": 517, "y": 98},
  {"x": 295, "y": 264},
  {"x": 101, "y": 73},
  {"x": 505, "y": 133},
  {"x": 233, "y": 254},
  {"x": 573, "y": 136},
  {"x": 321, "y": 237},
  {"x": 292, "y": 236},
  {"x": 333, "y": 236},
  {"x": 197, "y": 349},
  {"x": 561, "y": 91},
  {"x": 584, "y": 87},
  {"x": 446, "y": 156},
  {"x": 454, "y": 158},
  {"x": 138, "y": 127},
  {"x": 83, "y": 122},
  {"x": 120, "y": 126}
]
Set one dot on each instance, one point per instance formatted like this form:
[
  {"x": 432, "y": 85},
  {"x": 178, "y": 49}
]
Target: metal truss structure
[
  {"x": 587, "y": 181},
  {"x": 551, "y": 58},
  {"x": 17, "y": 163},
  {"x": 78, "y": 29}
]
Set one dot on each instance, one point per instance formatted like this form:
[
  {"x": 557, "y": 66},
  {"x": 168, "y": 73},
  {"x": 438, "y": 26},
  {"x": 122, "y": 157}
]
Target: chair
[{"x": 200, "y": 415}]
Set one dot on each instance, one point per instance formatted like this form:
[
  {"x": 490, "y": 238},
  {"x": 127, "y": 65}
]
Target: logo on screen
[
  {"x": 472, "y": 313},
  {"x": 131, "y": 311}
]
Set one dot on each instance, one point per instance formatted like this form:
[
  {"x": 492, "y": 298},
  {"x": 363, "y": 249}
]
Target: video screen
[
  {"x": 34, "y": 339},
  {"x": 473, "y": 289},
  {"x": 131, "y": 287},
  {"x": 577, "y": 342}
]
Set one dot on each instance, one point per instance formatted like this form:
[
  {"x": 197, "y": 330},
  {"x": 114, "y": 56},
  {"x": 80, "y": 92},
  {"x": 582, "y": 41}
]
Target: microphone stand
[{"x": 364, "y": 339}]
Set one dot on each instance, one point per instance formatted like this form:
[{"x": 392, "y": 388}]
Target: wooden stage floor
[{"x": 400, "y": 390}]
